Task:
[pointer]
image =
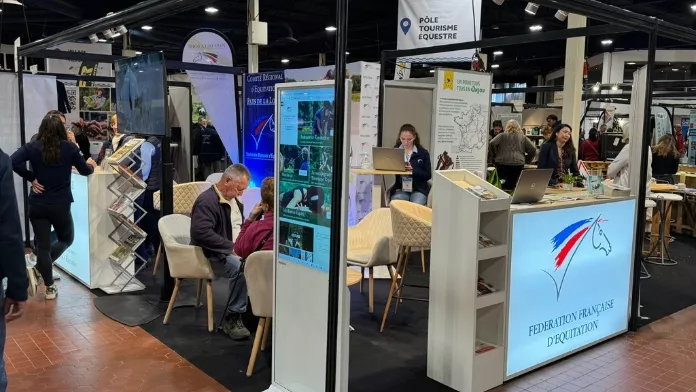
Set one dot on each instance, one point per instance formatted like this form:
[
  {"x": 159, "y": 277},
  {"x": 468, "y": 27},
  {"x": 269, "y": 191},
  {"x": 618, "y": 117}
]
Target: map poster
[{"x": 462, "y": 116}]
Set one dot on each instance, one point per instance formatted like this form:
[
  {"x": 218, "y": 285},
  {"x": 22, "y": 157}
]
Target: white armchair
[
  {"x": 370, "y": 245},
  {"x": 185, "y": 261}
]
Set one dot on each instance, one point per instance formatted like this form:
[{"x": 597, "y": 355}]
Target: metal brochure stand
[{"x": 127, "y": 187}]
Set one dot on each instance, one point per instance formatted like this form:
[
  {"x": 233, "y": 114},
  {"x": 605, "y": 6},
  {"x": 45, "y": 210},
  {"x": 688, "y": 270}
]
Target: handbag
[{"x": 494, "y": 179}]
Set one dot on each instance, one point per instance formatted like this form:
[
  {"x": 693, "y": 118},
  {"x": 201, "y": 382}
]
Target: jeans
[
  {"x": 148, "y": 223},
  {"x": 42, "y": 217},
  {"x": 413, "y": 197},
  {"x": 231, "y": 268},
  {"x": 509, "y": 174},
  {"x": 3, "y": 333}
]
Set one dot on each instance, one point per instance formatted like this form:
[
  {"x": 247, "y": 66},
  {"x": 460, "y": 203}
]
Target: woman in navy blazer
[
  {"x": 417, "y": 161},
  {"x": 560, "y": 145}
]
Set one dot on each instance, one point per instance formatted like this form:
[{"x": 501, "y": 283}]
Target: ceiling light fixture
[
  {"x": 675, "y": 70},
  {"x": 498, "y": 53},
  {"x": 108, "y": 33},
  {"x": 499, "y": 2},
  {"x": 607, "y": 42},
  {"x": 138, "y": 52},
  {"x": 494, "y": 66},
  {"x": 93, "y": 38},
  {"x": 596, "y": 87},
  {"x": 432, "y": 71},
  {"x": 147, "y": 28},
  {"x": 561, "y": 15},
  {"x": 284, "y": 61},
  {"x": 693, "y": 7},
  {"x": 330, "y": 28},
  {"x": 102, "y": 40},
  {"x": 211, "y": 10},
  {"x": 12, "y": 2},
  {"x": 535, "y": 28},
  {"x": 347, "y": 53},
  {"x": 531, "y": 8},
  {"x": 631, "y": 63},
  {"x": 615, "y": 87},
  {"x": 122, "y": 29}
]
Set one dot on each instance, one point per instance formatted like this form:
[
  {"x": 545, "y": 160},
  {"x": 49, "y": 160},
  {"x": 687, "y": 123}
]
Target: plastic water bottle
[{"x": 365, "y": 164}]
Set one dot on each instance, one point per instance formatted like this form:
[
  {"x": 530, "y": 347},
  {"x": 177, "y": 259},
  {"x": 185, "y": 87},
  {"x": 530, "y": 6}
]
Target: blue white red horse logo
[
  {"x": 206, "y": 57},
  {"x": 567, "y": 242},
  {"x": 266, "y": 125}
]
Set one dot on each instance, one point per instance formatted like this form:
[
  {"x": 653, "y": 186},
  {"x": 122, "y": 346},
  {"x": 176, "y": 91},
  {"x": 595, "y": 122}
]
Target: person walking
[
  {"x": 511, "y": 150},
  {"x": 12, "y": 264},
  {"x": 52, "y": 158}
]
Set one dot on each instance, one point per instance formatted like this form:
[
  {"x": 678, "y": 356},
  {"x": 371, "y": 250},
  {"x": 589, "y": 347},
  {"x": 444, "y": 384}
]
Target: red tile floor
[{"x": 68, "y": 345}]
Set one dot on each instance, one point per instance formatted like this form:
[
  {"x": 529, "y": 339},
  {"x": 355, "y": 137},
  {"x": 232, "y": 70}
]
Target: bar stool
[
  {"x": 663, "y": 200},
  {"x": 644, "y": 274}
]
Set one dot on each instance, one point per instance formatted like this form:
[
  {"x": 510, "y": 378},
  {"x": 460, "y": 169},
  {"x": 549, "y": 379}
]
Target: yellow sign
[{"x": 448, "y": 81}]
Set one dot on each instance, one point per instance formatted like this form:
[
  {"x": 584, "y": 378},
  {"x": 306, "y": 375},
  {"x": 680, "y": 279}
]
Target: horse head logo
[
  {"x": 567, "y": 242},
  {"x": 206, "y": 58}
]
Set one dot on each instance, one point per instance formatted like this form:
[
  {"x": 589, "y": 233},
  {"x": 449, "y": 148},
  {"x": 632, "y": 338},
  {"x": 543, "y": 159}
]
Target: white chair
[
  {"x": 214, "y": 178},
  {"x": 258, "y": 272},
  {"x": 185, "y": 261},
  {"x": 370, "y": 245}
]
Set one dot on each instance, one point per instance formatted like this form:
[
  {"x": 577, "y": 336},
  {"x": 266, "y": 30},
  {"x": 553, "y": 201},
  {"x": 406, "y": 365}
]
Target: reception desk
[{"x": 87, "y": 259}]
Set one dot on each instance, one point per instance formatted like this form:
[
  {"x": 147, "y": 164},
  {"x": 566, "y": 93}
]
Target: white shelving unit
[{"x": 459, "y": 317}]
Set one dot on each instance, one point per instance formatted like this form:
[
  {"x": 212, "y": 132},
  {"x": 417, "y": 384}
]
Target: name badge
[{"x": 407, "y": 184}]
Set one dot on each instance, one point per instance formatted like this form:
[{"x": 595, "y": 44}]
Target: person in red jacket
[{"x": 257, "y": 230}]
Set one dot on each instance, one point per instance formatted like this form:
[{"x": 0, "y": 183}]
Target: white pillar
[
  {"x": 253, "y": 57},
  {"x": 572, "y": 86}
]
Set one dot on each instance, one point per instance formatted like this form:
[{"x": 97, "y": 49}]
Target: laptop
[
  {"x": 391, "y": 159},
  {"x": 531, "y": 186}
]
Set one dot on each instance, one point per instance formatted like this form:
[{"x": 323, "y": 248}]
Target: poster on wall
[
  {"x": 663, "y": 123},
  {"x": 259, "y": 124},
  {"x": 306, "y": 127},
  {"x": 576, "y": 270},
  {"x": 424, "y": 24},
  {"x": 216, "y": 90},
  {"x": 462, "y": 120}
]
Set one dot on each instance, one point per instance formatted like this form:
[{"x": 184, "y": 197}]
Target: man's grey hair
[{"x": 237, "y": 172}]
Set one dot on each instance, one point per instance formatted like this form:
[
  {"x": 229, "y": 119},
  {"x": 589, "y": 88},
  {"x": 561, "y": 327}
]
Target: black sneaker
[{"x": 235, "y": 329}]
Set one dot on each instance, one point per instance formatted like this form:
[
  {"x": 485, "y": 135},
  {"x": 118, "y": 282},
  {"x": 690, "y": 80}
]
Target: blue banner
[{"x": 259, "y": 124}]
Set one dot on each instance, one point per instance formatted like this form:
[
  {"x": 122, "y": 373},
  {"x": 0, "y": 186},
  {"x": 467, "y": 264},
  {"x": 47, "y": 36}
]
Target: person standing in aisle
[
  {"x": 52, "y": 158},
  {"x": 559, "y": 154},
  {"x": 413, "y": 188},
  {"x": 511, "y": 150},
  {"x": 552, "y": 120},
  {"x": 12, "y": 264},
  {"x": 665, "y": 163},
  {"x": 589, "y": 149}
]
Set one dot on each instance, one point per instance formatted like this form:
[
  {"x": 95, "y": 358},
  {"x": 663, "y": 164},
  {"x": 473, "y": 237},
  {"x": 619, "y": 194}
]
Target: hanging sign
[
  {"x": 217, "y": 91},
  {"x": 424, "y": 24}
]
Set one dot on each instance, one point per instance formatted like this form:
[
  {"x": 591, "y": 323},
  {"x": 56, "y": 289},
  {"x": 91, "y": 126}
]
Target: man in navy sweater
[{"x": 12, "y": 264}]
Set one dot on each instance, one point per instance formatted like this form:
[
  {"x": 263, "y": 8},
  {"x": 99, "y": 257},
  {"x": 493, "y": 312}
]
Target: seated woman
[
  {"x": 257, "y": 230},
  {"x": 413, "y": 188},
  {"x": 619, "y": 169},
  {"x": 665, "y": 163},
  {"x": 558, "y": 153}
]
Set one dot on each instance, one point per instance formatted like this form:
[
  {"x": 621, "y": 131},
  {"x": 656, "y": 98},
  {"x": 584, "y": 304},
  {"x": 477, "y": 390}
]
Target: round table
[
  {"x": 662, "y": 200},
  {"x": 353, "y": 277}
]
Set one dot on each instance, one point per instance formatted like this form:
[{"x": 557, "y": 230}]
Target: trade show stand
[
  {"x": 548, "y": 279},
  {"x": 87, "y": 259}
]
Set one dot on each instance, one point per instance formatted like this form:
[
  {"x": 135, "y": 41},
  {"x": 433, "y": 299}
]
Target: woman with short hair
[{"x": 511, "y": 150}]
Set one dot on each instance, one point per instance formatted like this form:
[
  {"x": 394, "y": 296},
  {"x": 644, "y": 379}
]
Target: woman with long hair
[
  {"x": 511, "y": 150},
  {"x": 52, "y": 158},
  {"x": 413, "y": 188},
  {"x": 665, "y": 163},
  {"x": 589, "y": 149},
  {"x": 558, "y": 153},
  {"x": 620, "y": 167}
]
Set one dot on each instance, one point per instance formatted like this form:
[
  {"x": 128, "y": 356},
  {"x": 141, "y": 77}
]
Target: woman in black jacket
[
  {"x": 560, "y": 145},
  {"x": 665, "y": 159},
  {"x": 413, "y": 188}
]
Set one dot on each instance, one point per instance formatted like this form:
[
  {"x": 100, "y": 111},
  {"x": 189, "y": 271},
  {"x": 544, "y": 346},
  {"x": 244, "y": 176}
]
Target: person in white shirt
[{"x": 619, "y": 169}]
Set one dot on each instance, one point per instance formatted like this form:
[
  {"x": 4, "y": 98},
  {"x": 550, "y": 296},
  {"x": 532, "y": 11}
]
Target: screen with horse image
[
  {"x": 570, "y": 280},
  {"x": 141, "y": 93}
]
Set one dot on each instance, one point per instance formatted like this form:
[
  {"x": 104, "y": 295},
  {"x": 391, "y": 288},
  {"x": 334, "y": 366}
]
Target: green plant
[{"x": 570, "y": 178}]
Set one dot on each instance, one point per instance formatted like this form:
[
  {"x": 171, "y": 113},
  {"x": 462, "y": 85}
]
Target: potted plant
[{"x": 568, "y": 180}]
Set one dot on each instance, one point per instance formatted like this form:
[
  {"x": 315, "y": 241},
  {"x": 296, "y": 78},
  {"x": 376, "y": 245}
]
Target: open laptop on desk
[
  {"x": 391, "y": 159},
  {"x": 531, "y": 186}
]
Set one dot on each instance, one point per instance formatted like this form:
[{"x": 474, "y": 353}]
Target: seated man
[{"x": 216, "y": 221}]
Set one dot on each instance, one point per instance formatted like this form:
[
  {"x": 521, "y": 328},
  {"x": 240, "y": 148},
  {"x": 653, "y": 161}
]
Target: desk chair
[
  {"x": 259, "y": 277},
  {"x": 214, "y": 178},
  {"x": 185, "y": 261}
]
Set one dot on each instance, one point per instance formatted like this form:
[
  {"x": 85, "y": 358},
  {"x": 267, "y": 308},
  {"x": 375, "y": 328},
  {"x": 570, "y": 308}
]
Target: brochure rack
[
  {"x": 127, "y": 186},
  {"x": 468, "y": 280}
]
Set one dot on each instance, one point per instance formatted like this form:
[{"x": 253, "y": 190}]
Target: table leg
[{"x": 377, "y": 192}]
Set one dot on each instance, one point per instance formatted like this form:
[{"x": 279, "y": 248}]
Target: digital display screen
[
  {"x": 569, "y": 280},
  {"x": 75, "y": 260},
  {"x": 306, "y": 133},
  {"x": 141, "y": 94}
]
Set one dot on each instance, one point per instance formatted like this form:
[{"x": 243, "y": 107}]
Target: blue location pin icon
[{"x": 405, "y": 25}]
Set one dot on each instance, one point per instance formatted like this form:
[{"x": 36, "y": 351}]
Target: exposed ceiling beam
[{"x": 57, "y": 6}]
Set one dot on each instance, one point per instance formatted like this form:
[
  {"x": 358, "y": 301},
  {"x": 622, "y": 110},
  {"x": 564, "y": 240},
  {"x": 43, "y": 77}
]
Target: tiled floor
[
  {"x": 660, "y": 357},
  {"x": 68, "y": 345}
]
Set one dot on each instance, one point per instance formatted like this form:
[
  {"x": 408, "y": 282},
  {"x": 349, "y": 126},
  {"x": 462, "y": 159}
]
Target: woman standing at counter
[
  {"x": 558, "y": 153},
  {"x": 619, "y": 169},
  {"x": 52, "y": 157},
  {"x": 665, "y": 162},
  {"x": 511, "y": 150},
  {"x": 413, "y": 188}
]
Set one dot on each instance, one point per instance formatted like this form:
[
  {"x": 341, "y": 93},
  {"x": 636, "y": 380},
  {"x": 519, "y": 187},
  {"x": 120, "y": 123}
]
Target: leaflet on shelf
[
  {"x": 482, "y": 347},
  {"x": 484, "y": 287},
  {"x": 125, "y": 150},
  {"x": 127, "y": 173},
  {"x": 485, "y": 242}
]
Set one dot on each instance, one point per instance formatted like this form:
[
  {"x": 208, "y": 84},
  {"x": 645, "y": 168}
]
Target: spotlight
[
  {"x": 284, "y": 61},
  {"x": 596, "y": 87},
  {"x": 531, "y": 8},
  {"x": 499, "y": 2},
  {"x": 535, "y": 28},
  {"x": 675, "y": 70},
  {"x": 347, "y": 53},
  {"x": 607, "y": 42},
  {"x": 147, "y": 28},
  {"x": 693, "y": 7},
  {"x": 93, "y": 38},
  {"x": 211, "y": 10},
  {"x": 615, "y": 87},
  {"x": 561, "y": 15},
  {"x": 108, "y": 33},
  {"x": 631, "y": 63},
  {"x": 122, "y": 29},
  {"x": 330, "y": 28},
  {"x": 102, "y": 40},
  {"x": 494, "y": 66},
  {"x": 138, "y": 53},
  {"x": 498, "y": 53},
  {"x": 432, "y": 71}
]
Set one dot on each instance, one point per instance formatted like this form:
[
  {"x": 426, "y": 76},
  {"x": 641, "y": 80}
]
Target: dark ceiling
[{"x": 372, "y": 28}]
